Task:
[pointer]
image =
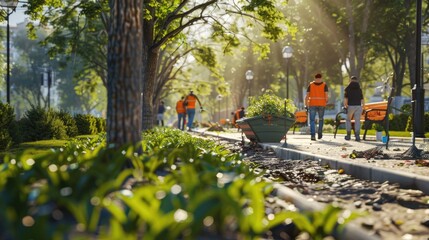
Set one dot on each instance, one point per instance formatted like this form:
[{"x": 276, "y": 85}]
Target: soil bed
[{"x": 391, "y": 212}]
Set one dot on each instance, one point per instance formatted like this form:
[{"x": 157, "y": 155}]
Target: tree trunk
[
  {"x": 357, "y": 50},
  {"x": 352, "y": 42},
  {"x": 149, "y": 77},
  {"x": 124, "y": 61}
]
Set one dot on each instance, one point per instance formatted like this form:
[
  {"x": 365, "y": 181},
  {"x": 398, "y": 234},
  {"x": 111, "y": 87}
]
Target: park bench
[
  {"x": 376, "y": 112},
  {"x": 300, "y": 119}
]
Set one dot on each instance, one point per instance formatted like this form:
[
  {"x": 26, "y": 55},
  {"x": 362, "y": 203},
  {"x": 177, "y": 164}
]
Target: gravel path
[{"x": 390, "y": 212}]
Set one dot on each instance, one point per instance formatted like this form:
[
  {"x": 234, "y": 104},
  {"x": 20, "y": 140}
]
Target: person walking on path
[
  {"x": 190, "y": 102},
  {"x": 239, "y": 113},
  {"x": 160, "y": 115},
  {"x": 316, "y": 100},
  {"x": 353, "y": 105},
  {"x": 181, "y": 113}
]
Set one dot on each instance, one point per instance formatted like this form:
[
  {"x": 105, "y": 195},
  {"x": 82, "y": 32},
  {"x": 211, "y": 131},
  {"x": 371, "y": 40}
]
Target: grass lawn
[
  {"x": 40, "y": 147},
  {"x": 392, "y": 133}
]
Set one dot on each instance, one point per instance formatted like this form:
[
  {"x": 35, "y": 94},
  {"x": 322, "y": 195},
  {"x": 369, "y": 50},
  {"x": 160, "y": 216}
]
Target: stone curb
[
  {"x": 370, "y": 173},
  {"x": 360, "y": 171},
  {"x": 350, "y": 231}
]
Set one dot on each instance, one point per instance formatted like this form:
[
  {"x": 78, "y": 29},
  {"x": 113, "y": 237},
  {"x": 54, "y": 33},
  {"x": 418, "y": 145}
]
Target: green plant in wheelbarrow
[{"x": 268, "y": 118}]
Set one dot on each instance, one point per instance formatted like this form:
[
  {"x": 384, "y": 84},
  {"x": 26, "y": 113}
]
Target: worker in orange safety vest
[
  {"x": 239, "y": 113},
  {"x": 190, "y": 102},
  {"x": 181, "y": 113},
  {"x": 315, "y": 101}
]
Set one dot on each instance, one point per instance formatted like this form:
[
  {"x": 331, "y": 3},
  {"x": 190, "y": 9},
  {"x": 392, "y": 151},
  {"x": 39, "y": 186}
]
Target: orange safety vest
[
  {"x": 317, "y": 95},
  {"x": 191, "y": 101},
  {"x": 237, "y": 116},
  {"x": 180, "y": 107}
]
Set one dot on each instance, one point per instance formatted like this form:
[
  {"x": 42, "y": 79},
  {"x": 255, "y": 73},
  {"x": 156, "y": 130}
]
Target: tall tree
[
  {"x": 398, "y": 45},
  {"x": 166, "y": 19},
  {"x": 124, "y": 72},
  {"x": 27, "y": 72},
  {"x": 162, "y": 21}
]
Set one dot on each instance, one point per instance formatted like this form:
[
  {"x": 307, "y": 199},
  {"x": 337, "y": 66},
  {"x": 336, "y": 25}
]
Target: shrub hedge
[
  {"x": 6, "y": 120},
  {"x": 86, "y": 124},
  {"x": 41, "y": 124}
]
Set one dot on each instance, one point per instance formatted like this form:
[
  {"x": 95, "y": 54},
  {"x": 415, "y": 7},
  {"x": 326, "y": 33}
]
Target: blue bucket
[{"x": 384, "y": 139}]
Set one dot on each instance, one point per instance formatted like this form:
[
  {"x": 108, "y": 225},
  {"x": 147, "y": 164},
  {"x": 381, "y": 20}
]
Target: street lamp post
[
  {"x": 418, "y": 93},
  {"x": 218, "y": 98},
  {"x": 10, "y": 6},
  {"x": 287, "y": 53},
  {"x": 226, "y": 101},
  {"x": 249, "y": 77}
]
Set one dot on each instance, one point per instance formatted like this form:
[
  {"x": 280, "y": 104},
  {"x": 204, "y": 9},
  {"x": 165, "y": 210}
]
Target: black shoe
[
  {"x": 347, "y": 137},
  {"x": 313, "y": 138},
  {"x": 357, "y": 139},
  {"x": 319, "y": 136}
]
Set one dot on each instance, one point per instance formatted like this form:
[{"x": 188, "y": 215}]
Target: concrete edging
[
  {"x": 370, "y": 173},
  {"x": 349, "y": 232}
]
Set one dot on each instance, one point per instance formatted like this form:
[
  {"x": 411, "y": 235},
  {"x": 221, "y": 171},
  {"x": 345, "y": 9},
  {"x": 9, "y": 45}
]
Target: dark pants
[{"x": 181, "y": 121}]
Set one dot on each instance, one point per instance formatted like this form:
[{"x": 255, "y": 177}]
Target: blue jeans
[
  {"x": 321, "y": 112},
  {"x": 191, "y": 115},
  {"x": 181, "y": 121}
]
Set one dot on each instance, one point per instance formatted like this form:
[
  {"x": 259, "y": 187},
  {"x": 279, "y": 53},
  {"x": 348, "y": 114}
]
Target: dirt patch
[{"x": 390, "y": 212}]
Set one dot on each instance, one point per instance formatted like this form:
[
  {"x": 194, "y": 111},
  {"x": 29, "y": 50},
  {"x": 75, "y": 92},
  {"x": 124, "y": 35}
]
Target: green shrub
[
  {"x": 16, "y": 132},
  {"x": 69, "y": 122},
  {"x": 101, "y": 124},
  {"x": 406, "y": 108},
  {"x": 41, "y": 124},
  {"x": 81, "y": 186},
  {"x": 7, "y": 117},
  {"x": 86, "y": 124},
  {"x": 329, "y": 121},
  {"x": 410, "y": 123},
  {"x": 398, "y": 122},
  {"x": 426, "y": 122},
  {"x": 409, "y": 127},
  {"x": 269, "y": 104},
  {"x": 377, "y": 127}
]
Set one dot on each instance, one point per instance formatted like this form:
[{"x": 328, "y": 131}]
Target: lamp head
[
  {"x": 9, "y": 3},
  {"x": 249, "y": 75},
  {"x": 287, "y": 52}
]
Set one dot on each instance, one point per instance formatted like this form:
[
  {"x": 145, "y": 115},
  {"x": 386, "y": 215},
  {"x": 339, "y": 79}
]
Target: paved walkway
[{"x": 336, "y": 153}]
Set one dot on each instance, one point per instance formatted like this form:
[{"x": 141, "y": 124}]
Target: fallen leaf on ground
[{"x": 422, "y": 163}]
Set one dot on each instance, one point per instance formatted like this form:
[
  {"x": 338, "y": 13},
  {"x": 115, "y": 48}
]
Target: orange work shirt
[{"x": 180, "y": 106}]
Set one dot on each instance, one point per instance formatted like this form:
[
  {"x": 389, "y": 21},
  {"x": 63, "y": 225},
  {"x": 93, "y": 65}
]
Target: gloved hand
[
  {"x": 306, "y": 108},
  {"x": 344, "y": 109},
  {"x": 202, "y": 109}
]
